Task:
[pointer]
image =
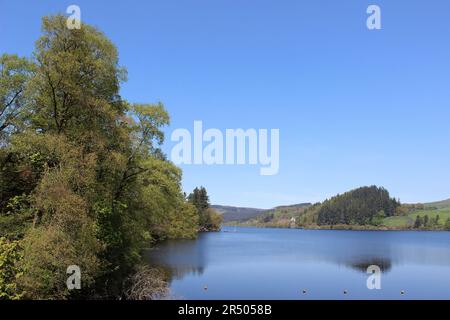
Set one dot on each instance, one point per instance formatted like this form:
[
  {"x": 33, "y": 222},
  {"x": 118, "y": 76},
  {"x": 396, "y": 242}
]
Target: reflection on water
[
  {"x": 178, "y": 257},
  {"x": 276, "y": 263},
  {"x": 362, "y": 265}
]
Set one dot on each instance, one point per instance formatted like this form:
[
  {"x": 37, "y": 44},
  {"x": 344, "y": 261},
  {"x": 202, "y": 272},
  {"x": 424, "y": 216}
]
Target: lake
[{"x": 254, "y": 263}]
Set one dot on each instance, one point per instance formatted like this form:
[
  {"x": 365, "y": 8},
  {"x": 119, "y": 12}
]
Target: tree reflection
[
  {"x": 177, "y": 258},
  {"x": 362, "y": 264}
]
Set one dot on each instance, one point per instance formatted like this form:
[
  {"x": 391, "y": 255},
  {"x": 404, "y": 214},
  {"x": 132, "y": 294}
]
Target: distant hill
[
  {"x": 242, "y": 214},
  {"x": 276, "y": 217},
  {"x": 438, "y": 204},
  {"x": 230, "y": 213},
  {"x": 280, "y": 216},
  {"x": 293, "y": 207}
]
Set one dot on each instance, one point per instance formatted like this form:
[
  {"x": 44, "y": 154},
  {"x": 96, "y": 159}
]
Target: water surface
[{"x": 254, "y": 263}]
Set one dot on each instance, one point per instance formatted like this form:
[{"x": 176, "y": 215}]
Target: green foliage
[
  {"x": 17, "y": 217},
  {"x": 83, "y": 182},
  {"x": 14, "y": 76},
  {"x": 10, "y": 272},
  {"x": 199, "y": 198},
  {"x": 415, "y": 217},
  {"x": 418, "y": 222},
  {"x": 209, "y": 219},
  {"x": 76, "y": 82},
  {"x": 426, "y": 221},
  {"x": 447, "y": 224},
  {"x": 378, "y": 218},
  {"x": 48, "y": 251},
  {"x": 361, "y": 206}
]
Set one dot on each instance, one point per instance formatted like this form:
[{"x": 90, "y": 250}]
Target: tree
[
  {"x": 378, "y": 218},
  {"x": 76, "y": 83},
  {"x": 213, "y": 220},
  {"x": 10, "y": 256},
  {"x": 14, "y": 75},
  {"x": 199, "y": 198},
  {"x": 418, "y": 223},
  {"x": 84, "y": 180},
  {"x": 425, "y": 221},
  {"x": 209, "y": 219},
  {"x": 447, "y": 224}
]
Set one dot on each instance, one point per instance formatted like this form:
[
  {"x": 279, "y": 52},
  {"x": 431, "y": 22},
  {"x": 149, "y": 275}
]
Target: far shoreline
[{"x": 337, "y": 228}]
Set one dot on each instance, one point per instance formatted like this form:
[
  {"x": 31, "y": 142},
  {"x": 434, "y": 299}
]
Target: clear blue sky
[{"x": 354, "y": 107}]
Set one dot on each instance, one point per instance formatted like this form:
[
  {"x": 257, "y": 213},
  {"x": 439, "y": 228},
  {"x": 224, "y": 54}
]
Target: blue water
[{"x": 253, "y": 263}]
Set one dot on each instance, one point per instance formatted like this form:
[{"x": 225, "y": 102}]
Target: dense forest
[
  {"x": 83, "y": 180},
  {"x": 365, "y": 205}
]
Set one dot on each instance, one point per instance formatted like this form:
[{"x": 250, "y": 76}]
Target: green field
[
  {"x": 408, "y": 221},
  {"x": 397, "y": 222}
]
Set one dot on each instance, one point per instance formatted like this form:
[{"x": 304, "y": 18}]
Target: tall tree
[
  {"x": 418, "y": 222},
  {"x": 209, "y": 219},
  {"x": 425, "y": 221},
  {"x": 14, "y": 75},
  {"x": 92, "y": 176}
]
